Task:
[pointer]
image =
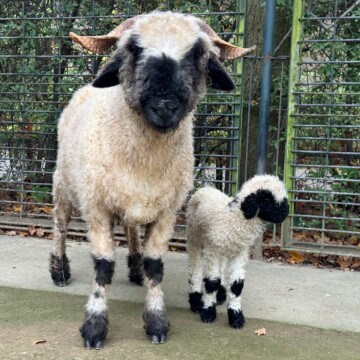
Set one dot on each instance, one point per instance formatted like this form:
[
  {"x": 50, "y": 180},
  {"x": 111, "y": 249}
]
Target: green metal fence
[
  {"x": 40, "y": 68},
  {"x": 323, "y": 136}
]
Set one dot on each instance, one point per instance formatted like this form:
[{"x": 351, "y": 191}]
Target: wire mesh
[
  {"x": 40, "y": 70},
  {"x": 324, "y": 129}
]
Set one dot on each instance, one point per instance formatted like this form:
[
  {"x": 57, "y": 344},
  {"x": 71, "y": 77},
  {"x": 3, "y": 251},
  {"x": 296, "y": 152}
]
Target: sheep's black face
[
  {"x": 271, "y": 210},
  {"x": 165, "y": 99},
  {"x": 163, "y": 89},
  {"x": 265, "y": 206}
]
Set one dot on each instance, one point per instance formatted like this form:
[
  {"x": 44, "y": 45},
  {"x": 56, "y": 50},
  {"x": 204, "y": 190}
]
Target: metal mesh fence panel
[
  {"x": 40, "y": 69},
  {"x": 323, "y": 156}
]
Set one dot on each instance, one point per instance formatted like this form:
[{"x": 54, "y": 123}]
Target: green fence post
[{"x": 298, "y": 11}]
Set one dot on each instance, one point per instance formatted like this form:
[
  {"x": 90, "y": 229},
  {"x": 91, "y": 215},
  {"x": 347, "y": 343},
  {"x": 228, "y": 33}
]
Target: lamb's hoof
[
  {"x": 208, "y": 315},
  {"x": 195, "y": 301},
  {"x": 221, "y": 295},
  {"x": 236, "y": 318},
  {"x": 94, "y": 331},
  {"x": 156, "y": 326},
  {"x": 59, "y": 269},
  {"x": 136, "y": 272}
]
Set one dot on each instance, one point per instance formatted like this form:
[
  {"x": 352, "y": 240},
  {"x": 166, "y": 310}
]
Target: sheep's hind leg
[
  {"x": 59, "y": 262},
  {"x": 236, "y": 284},
  {"x": 212, "y": 284},
  {"x": 196, "y": 275},
  {"x": 155, "y": 318},
  {"x": 134, "y": 259},
  {"x": 95, "y": 327}
]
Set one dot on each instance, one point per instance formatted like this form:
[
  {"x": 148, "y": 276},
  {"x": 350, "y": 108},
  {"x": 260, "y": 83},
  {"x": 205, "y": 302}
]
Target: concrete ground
[{"x": 275, "y": 295}]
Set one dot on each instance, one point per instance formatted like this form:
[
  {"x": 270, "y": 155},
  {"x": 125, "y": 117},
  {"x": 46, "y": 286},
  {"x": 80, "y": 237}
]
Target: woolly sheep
[
  {"x": 126, "y": 150},
  {"x": 220, "y": 230}
]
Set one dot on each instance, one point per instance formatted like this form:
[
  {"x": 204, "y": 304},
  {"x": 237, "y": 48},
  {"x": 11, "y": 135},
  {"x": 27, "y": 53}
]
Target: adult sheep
[{"x": 126, "y": 149}]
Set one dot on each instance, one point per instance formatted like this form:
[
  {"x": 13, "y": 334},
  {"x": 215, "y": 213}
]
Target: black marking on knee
[
  {"x": 211, "y": 285},
  {"x": 97, "y": 294},
  {"x": 195, "y": 301},
  {"x": 94, "y": 330},
  {"x": 60, "y": 269},
  {"x": 237, "y": 286},
  {"x": 154, "y": 269},
  {"x": 236, "y": 318},
  {"x": 136, "y": 271},
  {"x": 208, "y": 315},
  {"x": 221, "y": 295},
  {"x": 104, "y": 271}
]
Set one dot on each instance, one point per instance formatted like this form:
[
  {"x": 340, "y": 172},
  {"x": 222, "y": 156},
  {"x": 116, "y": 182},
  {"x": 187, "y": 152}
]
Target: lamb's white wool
[{"x": 220, "y": 230}]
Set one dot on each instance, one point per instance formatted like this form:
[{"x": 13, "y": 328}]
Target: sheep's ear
[
  {"x": 270, "y": 209},
  {"x": 219, "y": 78},
  {"x": 249, "y": 206},
  {"x": 109, "y": 74}
]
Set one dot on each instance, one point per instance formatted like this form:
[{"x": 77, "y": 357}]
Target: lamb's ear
[
  {"x": 249, "y": 206},
  {"x": 270, "y": 209},
  {"x": 219, "y": 78},
  {"x": 109, "y": 74}
]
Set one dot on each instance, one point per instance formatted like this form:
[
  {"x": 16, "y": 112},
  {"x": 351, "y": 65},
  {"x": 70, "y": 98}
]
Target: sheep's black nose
[{"x": 164, "y": 115}]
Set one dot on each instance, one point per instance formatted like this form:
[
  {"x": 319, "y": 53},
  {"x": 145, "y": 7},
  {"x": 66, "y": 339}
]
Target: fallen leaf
[
  {"x": 36, "y": 342},
  {"x": 11, "y": 233},
  {"x": 32, "y": 230},
  {"x": 46, "y": 209},
  {"x": 344, "y": 262},
  {"x": 261, "y": 331},
  {"x": 23, "y": 234},
  {"x": 40, "y": 232},
  {"x": 296, "y": 258}
]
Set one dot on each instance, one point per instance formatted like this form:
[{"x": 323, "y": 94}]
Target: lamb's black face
[{"x": 161, "y": 88}]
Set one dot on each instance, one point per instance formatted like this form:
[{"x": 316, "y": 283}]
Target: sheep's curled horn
[{"x": 99, "y": 44}]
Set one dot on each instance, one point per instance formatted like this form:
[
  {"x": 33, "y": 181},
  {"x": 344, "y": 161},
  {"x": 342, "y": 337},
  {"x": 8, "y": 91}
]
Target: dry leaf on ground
[
  {"x": 261, "y": 331},
  {"x": 36, "y": 342},
  {"x": 11, "y": 233}
]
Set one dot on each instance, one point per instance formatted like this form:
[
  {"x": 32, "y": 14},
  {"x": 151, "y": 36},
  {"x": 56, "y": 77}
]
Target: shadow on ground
[{"x": 27, "y": 316}]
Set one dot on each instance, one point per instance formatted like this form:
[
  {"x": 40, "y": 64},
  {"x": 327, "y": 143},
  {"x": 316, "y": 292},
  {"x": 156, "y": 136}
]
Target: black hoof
[
  {"x": 156, "y": 326},
  {"x": 59, "y": 269},
  {"x": 94, "y": 331},
  {"x": 208, "y": 315},
  {"x": 195, "y": 301},
  {"x": 136, "y": 271},
  {"x": 221, "y": 295},
  {"x": 236, "y": 318}
]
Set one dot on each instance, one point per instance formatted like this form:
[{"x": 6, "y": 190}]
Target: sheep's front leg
[
  {"x": 59, "y": 262},
  {"x": 95, "y": 327},
  {"x": 212, "y": 283},
  {"x": 134, "y": 259},
  {"x": 155, "y": 318},
  {"x": 236, "y": 284}
]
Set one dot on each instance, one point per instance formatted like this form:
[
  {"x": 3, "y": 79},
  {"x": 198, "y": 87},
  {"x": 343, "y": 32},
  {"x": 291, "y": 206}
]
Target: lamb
[
  {"x": 220, "y": 230},
  {"x": 126, "y": 150}
]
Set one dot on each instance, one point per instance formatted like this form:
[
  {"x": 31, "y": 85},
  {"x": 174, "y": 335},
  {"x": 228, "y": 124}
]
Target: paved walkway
[{"x": 321, "y": 298}]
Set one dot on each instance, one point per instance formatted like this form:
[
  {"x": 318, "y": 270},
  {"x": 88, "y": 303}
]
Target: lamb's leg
[
  {"x": 221, "y": 293},
  {"x": 59, "y": 262},
  {"x": 236, "y": 284},
  {"x": 95, "y": 327},
  {"x": 212, "y": 284},
  {"x": 134, "y": 259},
  {"x": 196, "y": 275},
  {"x": 155, "y": 318}
]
